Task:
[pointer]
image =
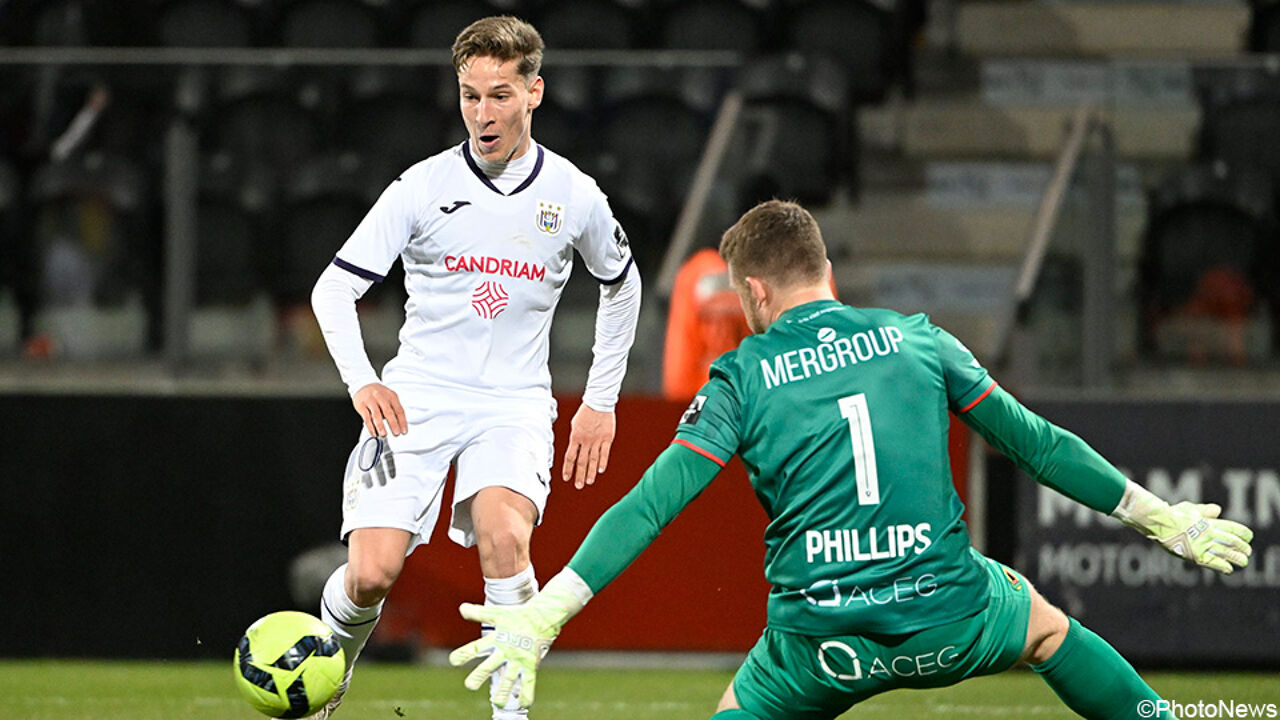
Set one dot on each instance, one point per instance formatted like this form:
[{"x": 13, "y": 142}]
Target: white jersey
[{"x": 483, "y": 269}]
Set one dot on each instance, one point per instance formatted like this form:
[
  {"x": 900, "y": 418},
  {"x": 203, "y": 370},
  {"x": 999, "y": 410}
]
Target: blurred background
[{"x": 1083, "y": 191}]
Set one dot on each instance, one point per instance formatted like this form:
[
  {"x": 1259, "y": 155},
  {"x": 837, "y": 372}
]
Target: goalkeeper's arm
[
  {"x": 523, "y": 633},
  {"x": 1062, "y": 461}
]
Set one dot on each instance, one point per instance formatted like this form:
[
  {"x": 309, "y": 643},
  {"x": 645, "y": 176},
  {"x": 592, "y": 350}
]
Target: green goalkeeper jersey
[{"x": 840, "y": 415}]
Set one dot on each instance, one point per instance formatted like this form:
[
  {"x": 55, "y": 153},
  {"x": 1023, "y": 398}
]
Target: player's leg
[
  {"x": 728, "y": 708},
  {"x": 391, "y": 501},
  {"x": 351, "y": 602},
  {"x": 503, "y": 482},
  {"x": 352, "y": 598},
  {"x": 503, "y": 520},
  {"x": 1084, "y": 670}
]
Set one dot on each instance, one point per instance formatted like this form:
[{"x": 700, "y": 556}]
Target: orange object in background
[{"x": 704, "y": 322}]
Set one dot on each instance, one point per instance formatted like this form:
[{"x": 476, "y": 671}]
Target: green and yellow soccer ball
[{"x": 288, "y": 664}]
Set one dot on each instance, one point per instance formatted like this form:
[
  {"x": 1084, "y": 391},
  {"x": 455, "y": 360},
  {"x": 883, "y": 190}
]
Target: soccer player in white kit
[{"x": 486, "y": 231}]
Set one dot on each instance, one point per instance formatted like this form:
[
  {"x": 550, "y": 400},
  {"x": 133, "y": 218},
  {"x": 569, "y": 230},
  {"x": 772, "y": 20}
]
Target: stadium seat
[
  {"x": 80, "y": 22},
  {"x": 15, "y": 275},
  {"x": 1242, "y": 129},
  {"x": 574, "y": 87},
  {"x": 324, "y": 199},
  {"x": 711, "y": 25},
  {"x": 1208, "y": 260},
  {"x": 567, "y": 132},
  {"x": 95, "y": 256},
  {"x": 434, "y": 25},
  {"x": 857, "y": 34},
  {"x": 259, "y": 113},
  {"x": 233, "y": 316},
  {"x": 586, "y": 25},
  {"x": 650, "y": 149},
  {"x": 400, "y": 127},
  {"x": 329, "y": 23},
  {"x": 800, "y": 127},
  {"x": 234, "y": 202},
  {"x": 204, "y": 23},
  {"x": 1264, "y": 26},
  {"x": 700, "y": 88}
]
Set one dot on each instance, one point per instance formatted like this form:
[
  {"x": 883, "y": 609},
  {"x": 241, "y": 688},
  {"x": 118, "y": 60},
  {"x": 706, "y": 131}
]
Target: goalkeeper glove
[
  {"x": 522, "y": 635},
  {"x": 1188, "y": 530}
]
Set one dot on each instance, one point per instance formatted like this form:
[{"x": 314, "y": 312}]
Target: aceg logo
[{"x": 1212, "y": 709}]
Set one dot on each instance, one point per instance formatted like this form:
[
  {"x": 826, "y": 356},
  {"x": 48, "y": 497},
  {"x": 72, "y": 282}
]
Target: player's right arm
[
  {"x": 1060, "y": 460},
  {"x": 363, "y": 260},
  {"x": 333, "y": 300}
]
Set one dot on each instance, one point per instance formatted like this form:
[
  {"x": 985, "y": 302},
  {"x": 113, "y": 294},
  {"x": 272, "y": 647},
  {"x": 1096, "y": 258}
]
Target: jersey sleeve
[
  {"x": 382, "y": 235},
  {"x": 712, "y": 425},
  {"x": 1056, "y": 458},
  {"x": 967, "y": 381},
  {"x": 674, "y": 480},
  {"x": 603, "y": 244}
]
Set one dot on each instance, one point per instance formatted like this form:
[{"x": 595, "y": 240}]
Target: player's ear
[
  {"x": 760, "y": 290},
  {"x": 536, "y": 89}
]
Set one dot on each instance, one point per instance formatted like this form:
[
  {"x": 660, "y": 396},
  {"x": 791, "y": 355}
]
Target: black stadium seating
[
  {"x": 1208, "y": 223},
  {"x": 320, "y": 142}
]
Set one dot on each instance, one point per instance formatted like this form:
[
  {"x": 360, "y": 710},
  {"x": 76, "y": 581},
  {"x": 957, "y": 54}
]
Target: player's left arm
[
  {"x": 1060, "y": 460},
  {"x": 606, "y": 252}
]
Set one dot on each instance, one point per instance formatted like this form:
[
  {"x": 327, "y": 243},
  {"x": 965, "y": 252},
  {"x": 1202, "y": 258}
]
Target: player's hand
[
  {"x": 381, "y": 410},
  {"x": 1189, "y": 530},
  {"x": 590, "y": 437},
  {"x": 521, "y": 637}
]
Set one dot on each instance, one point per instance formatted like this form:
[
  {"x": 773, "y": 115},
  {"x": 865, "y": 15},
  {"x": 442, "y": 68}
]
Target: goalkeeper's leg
[
  {"x": 728, "y": 708},
  {"x": 1082, "y": 668}
]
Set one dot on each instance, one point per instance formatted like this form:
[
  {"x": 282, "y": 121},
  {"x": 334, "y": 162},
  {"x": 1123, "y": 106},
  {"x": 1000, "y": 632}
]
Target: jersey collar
[
  {"x": 805, "y": 309},
  {"x": 471, "y": 163}
]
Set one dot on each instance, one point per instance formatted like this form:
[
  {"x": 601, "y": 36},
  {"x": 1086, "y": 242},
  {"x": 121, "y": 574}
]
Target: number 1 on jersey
[{"x": 854, "y": 409}]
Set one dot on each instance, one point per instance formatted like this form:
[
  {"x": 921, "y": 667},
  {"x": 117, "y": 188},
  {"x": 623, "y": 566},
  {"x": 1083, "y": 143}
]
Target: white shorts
[{"x": 398, "y": 481}]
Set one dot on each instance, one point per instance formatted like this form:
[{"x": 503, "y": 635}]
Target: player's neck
[
  {"x": 518, "y": 161},
  {"x": 795, "y": 297}
]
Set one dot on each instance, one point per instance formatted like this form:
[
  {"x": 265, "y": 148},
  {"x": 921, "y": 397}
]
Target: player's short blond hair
[
  {"x": 504, "y": 38},
  {"x": 777, "y": 241}
]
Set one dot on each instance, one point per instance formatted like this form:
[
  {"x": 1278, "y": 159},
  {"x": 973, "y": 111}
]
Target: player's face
[{"x": 497, "y": 107}]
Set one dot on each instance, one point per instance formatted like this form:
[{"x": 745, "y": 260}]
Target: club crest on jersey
[
  {"x": 1013, "y": 579},
  {"x": 550, "y": 217}
]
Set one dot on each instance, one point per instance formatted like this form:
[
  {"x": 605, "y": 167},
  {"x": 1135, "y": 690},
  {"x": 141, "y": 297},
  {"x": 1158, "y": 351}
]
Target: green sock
[
  {"x": 1095, "y": 681},
  {"x": 735, "y": 714}
]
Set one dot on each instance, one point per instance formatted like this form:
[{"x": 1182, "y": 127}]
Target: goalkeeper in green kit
[{"x": 840, "y": 416}]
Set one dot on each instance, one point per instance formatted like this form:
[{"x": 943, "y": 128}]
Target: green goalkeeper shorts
[{"x": 800, "y": 676}]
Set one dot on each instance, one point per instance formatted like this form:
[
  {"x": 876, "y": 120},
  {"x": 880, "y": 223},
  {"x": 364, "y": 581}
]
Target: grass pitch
[{"x": 62, "y": 690}]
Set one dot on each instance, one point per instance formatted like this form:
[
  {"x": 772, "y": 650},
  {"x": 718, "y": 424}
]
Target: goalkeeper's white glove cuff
[
  {"x": 1137, "y": 506},
  {"x": 568, "y": 591}
]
